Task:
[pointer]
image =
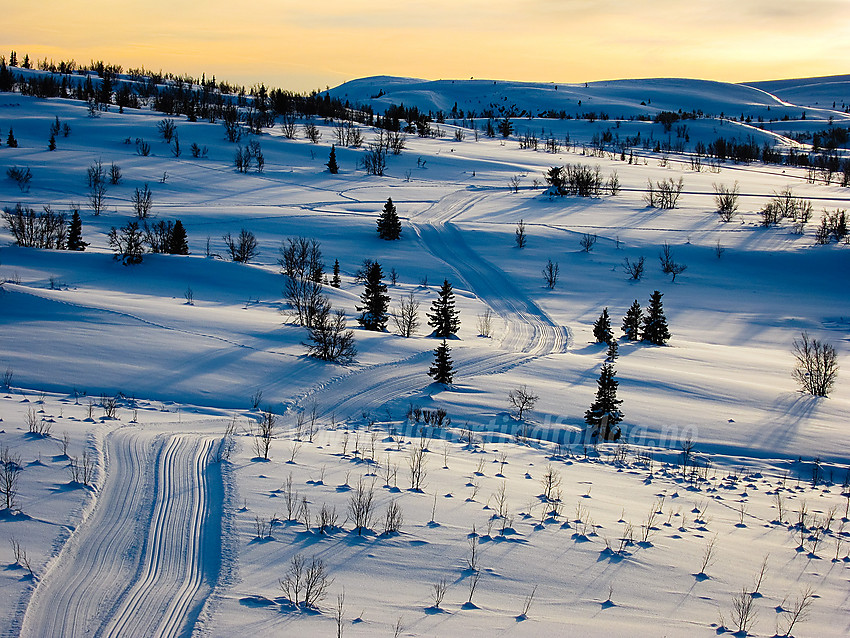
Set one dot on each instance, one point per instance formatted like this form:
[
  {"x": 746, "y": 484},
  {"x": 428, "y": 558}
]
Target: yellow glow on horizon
[{"x": 298, "y": 47}]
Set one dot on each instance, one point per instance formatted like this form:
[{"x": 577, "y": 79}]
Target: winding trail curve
[{"x": 529, "y": 334}]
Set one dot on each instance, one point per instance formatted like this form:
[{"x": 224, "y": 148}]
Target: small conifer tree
[
  {"x": 51, "y": 143},
  {"x": 442, "y": 371},
  {"x": 389, "y": 225},
  {"x": 75, "y": 233},
  {"x": 333, "y": 167},
  {"x": 632, "y": 322},
  {"x": 177, "y": 244},
  {"x": 613, "y": 351},
  {"x": 335, "y": 281},
  {"x": 443, "y": 317},
  {"x": 11, "y": 142},
  {"x": 655, "y": 323},
  {"x": 602, "y": 328},
  {"x": 604, "y": 413},
  {"x": 373, "y": 312}
]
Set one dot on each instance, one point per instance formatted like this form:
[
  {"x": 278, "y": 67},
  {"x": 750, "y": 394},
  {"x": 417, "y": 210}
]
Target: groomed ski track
[
  {"x": 148, "y": 555},
  {"x": 529, "y": 333}
]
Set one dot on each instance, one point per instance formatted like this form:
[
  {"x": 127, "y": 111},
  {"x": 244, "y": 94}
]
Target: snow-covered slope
[
  {"x": 618, "y": 99},
  {"x": 189, "y": 539},
  {"x": 819, "y": 92}
]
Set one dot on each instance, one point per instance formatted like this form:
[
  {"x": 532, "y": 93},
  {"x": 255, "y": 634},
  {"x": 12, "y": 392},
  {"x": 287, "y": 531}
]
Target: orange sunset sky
[{"x": 303, "y": 45}]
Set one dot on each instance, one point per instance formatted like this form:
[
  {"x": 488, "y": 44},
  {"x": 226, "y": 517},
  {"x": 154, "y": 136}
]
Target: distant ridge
[{"x": 618, "y": 99}]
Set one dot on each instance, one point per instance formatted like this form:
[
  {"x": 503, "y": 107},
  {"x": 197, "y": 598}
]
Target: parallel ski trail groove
[{"x": 138, "y": 565}]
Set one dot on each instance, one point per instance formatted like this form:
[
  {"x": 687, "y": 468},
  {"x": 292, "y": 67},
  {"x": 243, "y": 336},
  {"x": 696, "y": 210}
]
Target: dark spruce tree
[
  {"x": 11, "y": 142},
  {"x": 443, "y": 317},
  {"x": 335, "y": 280},
  {"x": 613, "y": 351},
  {"x": 373, "y": 312},
  {"x": 7, "y": 80},
  {"x": 442, "y": 371},
  {"x": 604, "y": 413},
  {"x": 602, "y": 328},
  {"x": 177, "y": 242},
  {"x": 632, "y": 322},
  {"x": 655, "y": 323},
  {"x": 389, "y": 225},
  {"x": 333, "y": 167},
  {"x": 75, "y": 233},
  {"x": 51, "y": 143}
]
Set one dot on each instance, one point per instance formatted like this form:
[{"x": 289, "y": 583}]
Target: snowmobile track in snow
[{"x": 147, "y": 556}]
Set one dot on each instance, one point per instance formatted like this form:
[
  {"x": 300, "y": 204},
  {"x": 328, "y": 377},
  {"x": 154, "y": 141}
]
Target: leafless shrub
[
  {"x": 587, "y": 242},
  {"x": 256, "y": 398},
  {"x": 143, "y": 148},
  {"x": 485, "y": 323},
  {"x": 522, "y": 399},
  {"x": 708, "y": 555},
  {"x": 167, "y": 129},
  {"x": 550, "y": 274},
  {"x": 36, "y": 230},
  {"x": 664, "y": 193},
  {"x": 439, "y": 592},
  {"x": 799, "y": 610},
  {"x": 520, "y": 235},
  {"x": 726, "y": 201},
  {"x": 817, "y": 365},
  {"x": 339, "y": 613},
  {"x": 347, "y": 133},
  {"x": 326, "y": 518},
  {"x": 406, "y": 316},
  {"x": 97, "y": 198},
  {"x": 109, "y": 405},
  {"x": 264, "y": 433},
  {"x": 312, "y": 133},
  {"x": 305, "y": 583},
  {"x": 634, "y": 268},
  {"x": 36, "y": 424},
  {"x": 474, "y": 551},
  {"x": 21, "y": 176},
  {"x": 10, "y": 470},
  {"x": 287, "y": 125},
  {"x": 743, "y": 611},
  {"x": 648, "y": 527},
  {"x": 550, "y": 481},
  {"x": 473, "y": 584},
  {"x": 526, "y": 606},
  {"x": 417, "y": 462},
  {"x": 330, "y": 340},
  {"x": 779, "y": 501},
  {"x": 501, "y": 504},
  {"x": 361, "y": 506},
  {"x": 243, "y": 248},
  {"x": 393, "y": 518},
  {"x": 95, "y": 173},
  {"x": 374, "y": 160},
  {"x": 668, "y": 265},
  {"x": 21, "y": 558},
  {"x": 142, "y": 201},
  {"x": 81, "y": 469},
  {"x": 759, "y": 578}
]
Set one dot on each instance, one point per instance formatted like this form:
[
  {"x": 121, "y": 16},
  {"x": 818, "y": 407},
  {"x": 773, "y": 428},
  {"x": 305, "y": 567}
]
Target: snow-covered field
[{"x": 174, "y": 533}]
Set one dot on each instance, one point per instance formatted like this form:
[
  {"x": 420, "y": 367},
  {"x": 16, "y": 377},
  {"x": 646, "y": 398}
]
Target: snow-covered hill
[
  {"x": 618, "y": 99},
  {"x": 191, "y": 348}
]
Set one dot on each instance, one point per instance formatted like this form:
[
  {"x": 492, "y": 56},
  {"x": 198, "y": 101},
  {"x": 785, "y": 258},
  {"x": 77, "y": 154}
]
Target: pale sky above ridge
[{"x": 300, "y": 46}]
